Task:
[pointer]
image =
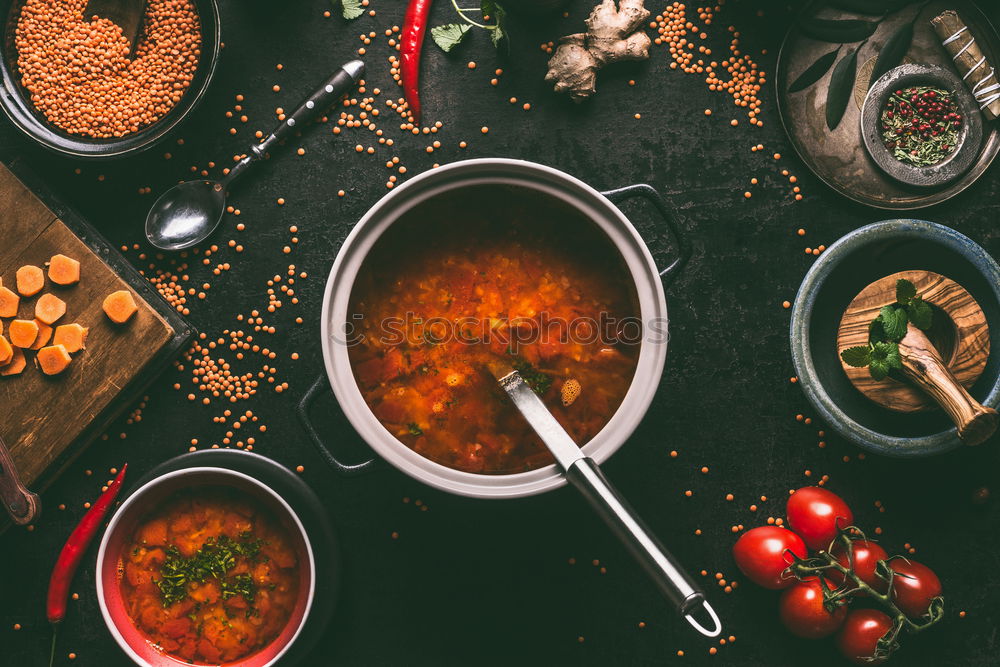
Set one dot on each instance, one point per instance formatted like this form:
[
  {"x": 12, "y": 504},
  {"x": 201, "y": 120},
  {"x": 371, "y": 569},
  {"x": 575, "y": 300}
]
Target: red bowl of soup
[{"x": 205, "y": 566}]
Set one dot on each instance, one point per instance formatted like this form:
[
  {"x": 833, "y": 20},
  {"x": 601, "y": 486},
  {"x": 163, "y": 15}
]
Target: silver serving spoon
[
  {"x": 581, "y": 471},
  {"x": 188, "y": 213}
]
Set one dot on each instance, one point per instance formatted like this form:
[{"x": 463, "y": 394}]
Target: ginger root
[{"x": 613, "y": 34}]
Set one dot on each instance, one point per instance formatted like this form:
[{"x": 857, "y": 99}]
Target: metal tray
[{"x": 839, "y": 158}]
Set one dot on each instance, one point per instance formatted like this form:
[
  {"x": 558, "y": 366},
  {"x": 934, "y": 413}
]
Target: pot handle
[
  {"x": 346, "y": 469},
  {"x": 649, "y": 193}
]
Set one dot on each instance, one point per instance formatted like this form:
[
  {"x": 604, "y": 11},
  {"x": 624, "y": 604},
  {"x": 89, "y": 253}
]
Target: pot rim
[
  {"x": 136, "y": 496},
  {"x": 492, "y": 171}
]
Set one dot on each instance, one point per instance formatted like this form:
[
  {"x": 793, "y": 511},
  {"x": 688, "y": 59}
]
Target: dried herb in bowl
[{"x": 921, "y": 125}]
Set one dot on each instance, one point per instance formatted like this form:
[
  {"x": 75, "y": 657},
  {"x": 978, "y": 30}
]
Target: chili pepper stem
[{"x": 52, "y": 651}]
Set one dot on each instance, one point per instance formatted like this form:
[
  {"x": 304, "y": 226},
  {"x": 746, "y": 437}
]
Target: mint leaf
[
  {"x": 875, "y": 331},
  {"x": 888, "y": 352},
  {"x": 893, "y": 358},
  {"x": 351, "y": 9},
  {"x": 905, "y": 290},
  {"x": 879, "y": 369},
  {"x": 920, "y": 313},
  {"x": 859, "y": 356},
  {"x": 893, "y": 322},
  {"x": 884, "y": 357},
  {"x": 447, "y": 37}
]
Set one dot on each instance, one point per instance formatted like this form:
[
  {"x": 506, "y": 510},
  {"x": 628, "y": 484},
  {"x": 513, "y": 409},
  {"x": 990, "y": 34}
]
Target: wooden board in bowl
[{"x": 47, "y": 420}]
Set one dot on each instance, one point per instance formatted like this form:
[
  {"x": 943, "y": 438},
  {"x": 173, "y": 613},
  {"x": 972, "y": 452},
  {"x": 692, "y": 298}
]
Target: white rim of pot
[
  {"x": 137, "y": 497},
  {"x": 492, "y": 171}
]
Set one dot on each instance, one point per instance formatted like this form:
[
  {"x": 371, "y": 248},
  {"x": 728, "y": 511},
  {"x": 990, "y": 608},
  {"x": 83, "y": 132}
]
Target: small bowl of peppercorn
[
  {"x": 76, "y": 85},
  {"x": 921, "y": 126}
]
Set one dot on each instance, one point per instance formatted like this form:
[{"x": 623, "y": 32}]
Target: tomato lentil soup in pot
[
  {"x": 207, "y": 568},
  {"x": 471, "y": 263},
  {"x": 455, "y": 285}
]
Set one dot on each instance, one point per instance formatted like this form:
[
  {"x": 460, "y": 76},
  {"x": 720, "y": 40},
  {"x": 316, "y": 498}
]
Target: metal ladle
[
  {"x": 581, "y": 471},
  {"x": 188, "y": 213}
]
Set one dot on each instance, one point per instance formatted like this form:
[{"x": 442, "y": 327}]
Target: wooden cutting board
[{"x": 47, "y": 420}]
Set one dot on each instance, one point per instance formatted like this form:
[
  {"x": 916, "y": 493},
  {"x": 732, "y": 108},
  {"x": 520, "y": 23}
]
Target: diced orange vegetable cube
[
  {"x": 49, "y": 308},
  {"x": 16, "y": 364},
  {"x": 71, "y": 336},
  {"x": 8, "y": 302},
  {"x": 23, "y": 333},
  {"x": 6, "y": 352},
  {"x": 53, "y": 359},
  {"x": 120, "y": 306},
  {"x": 64, "y": 270},
  {"x": 30, "y": 280},
  {"x": 44, "y": 334}
]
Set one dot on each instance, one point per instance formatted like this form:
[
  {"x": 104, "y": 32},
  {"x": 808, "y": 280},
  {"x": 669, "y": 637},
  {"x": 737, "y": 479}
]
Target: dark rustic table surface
[{"x": 490, "y": 582}]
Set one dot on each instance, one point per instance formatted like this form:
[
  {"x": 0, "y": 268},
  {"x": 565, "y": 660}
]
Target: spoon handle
[
  {"x": 326, "y": 94},
  {"x": 672, "y": 580}
]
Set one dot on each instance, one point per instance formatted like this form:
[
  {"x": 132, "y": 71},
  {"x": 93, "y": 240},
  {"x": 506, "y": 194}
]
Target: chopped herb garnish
[
  {"x": 536, "y": 379},
  {"x": 414, "y": 429},
  {"x": 213, "y": 560}
]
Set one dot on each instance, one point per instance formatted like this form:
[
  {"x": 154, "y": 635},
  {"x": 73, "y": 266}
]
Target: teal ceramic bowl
[{"x": 843, "y": 270}]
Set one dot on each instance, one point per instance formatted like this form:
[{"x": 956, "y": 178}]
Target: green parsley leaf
[
  {"x": 905, "y": 290},
  {"x": 859, "y": 356},
  {"x": 447, "y": 37},
  {"x": 351, "y": 9},
  {"x": 893, "y": 322},
  {"x": 920, "y": 313}
]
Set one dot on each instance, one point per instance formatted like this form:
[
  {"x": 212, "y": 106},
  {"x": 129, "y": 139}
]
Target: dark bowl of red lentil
[{"x": 70, "y": 84}]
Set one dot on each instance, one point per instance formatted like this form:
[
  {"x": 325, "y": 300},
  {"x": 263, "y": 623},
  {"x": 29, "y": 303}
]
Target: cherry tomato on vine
[
  {"x": 761, "y": 555},
  {"x": 914, "y": 585},
  {"x": 802, "y": 610},
  {"x": 816, "y": 514},
  {"x": 860, "y": 634},
  {"x": 866, "y": 556}
]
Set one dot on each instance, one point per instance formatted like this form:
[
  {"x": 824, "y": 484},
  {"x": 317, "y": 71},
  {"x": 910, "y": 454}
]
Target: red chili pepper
[
  {"x": 411, "y": 44},
  {"x": 75, "y": 548}
]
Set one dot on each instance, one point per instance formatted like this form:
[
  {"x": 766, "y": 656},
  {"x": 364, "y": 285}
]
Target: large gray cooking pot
[{"x": 596, "y": 206}]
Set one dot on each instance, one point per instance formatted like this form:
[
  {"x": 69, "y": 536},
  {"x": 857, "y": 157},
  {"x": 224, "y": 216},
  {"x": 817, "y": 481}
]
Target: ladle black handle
[
  {"x": 669, "y": 576},
  {"x": 327, "y": 93}
]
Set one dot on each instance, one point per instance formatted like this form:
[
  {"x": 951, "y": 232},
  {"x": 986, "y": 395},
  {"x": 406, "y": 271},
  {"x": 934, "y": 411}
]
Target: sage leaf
[
  {"x": 814, "y": 72},
  {"x": 893, "y": 51},
  {"x": 869, "y": 7},
  {"x": 859, "y": 356},
  {"x": 447, "y": 37},
  {"x": 841, "y": 87},
  {"x": 905, "y": 290},
  {"x": 837, "y": 30},
  {"x": 351, "y": 9}
]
